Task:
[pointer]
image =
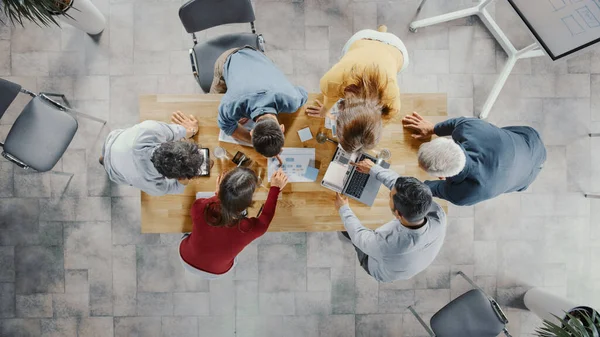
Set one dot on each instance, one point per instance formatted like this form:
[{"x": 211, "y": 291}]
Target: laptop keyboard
[{"x": 358, "y": 182}]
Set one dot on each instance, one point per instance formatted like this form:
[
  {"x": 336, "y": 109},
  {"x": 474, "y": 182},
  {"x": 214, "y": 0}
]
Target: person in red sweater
[{"x": 221, "y": 229}]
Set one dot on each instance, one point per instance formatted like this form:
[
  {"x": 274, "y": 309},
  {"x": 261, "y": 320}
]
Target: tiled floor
[{"x": 73, "y": 261}]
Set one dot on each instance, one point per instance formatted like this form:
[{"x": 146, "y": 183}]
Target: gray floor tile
[
  {"x": 87, "y": 245},
  {"x": 59, "y": 327},
  {"x": 71, "y": 305},
  {"x": 30, "y": 185},
  {"x": 190, "y": 304},
  {"x": 141, "y": 326},
  {"x": 299, "y": 326},
  {"x": 282, "y": 267},
  {"x": 7, "y": 300},
  {"x": 264, "y": 326},
  {"x": 159, "y": 269},
  {"x": 39, "y": 269},
  {"x": 385, "y": 325},
  {"x": 247, "y": 266},
  {"x": 154, "y": 304},
  {"x": 96, "y": 327},
  {"x": 126, "y": 222},
  {"x": 336, "y": 326},
  {"x": 395, "y": 301},
  {"x": 179, "y": 327},
  {"x": 366, "y": 293},
  {"x": 434, "y": 277},
  {"x": 7, "y": 264},
  {"x": 20, "y": 327},
  {"x": 154, "y": 24},
  {"x": 318, "y": 279},
  {"x": 458, "y": 244},
  {"x": 246, "y": 298},
  {"x": 216, "y": 326},
  {"x": 222, "y": 296},
  {"x": 278, "y": 303},
  {"x": 431, "y": 300},
  {"x": 124, "y": 280},
  {"x": 313, "y": 303},
  {"x": 289, "y": 37},
  {"x": 34, "y": 305},
  {"x": 76, "y": 281}
]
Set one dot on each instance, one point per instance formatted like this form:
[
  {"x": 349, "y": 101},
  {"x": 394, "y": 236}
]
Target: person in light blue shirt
[
  {"x": 254, "y": 89},
  {"x": 154, "y": 156},
  {"x": 406, "y": 245}
]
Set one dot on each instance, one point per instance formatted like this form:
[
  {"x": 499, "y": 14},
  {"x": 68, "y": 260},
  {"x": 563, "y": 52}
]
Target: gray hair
[{"x": 442, "y": 157}]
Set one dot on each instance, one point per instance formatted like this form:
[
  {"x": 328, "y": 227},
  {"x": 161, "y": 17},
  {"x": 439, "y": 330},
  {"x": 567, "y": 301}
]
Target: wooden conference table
[{"x": 302, "y": 207}]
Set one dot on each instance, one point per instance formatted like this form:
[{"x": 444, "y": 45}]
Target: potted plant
[
  {"x": 81, "y": 14},
  {"x": 579, "y": 322}
]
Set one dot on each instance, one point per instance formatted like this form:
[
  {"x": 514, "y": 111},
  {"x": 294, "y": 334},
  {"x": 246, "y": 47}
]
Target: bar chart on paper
[
  {"x": 298, "y": 164},
  {"x": 561, "y": 26}
]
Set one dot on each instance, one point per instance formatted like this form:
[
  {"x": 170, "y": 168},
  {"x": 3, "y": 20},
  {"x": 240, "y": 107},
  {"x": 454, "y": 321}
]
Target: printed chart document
[
  {"x": 228, "y": 139},
  {"x": 296, "y": 164}
]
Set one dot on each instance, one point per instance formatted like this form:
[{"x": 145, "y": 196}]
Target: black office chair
[
  {"x": 42, "y": 132},
  {"x": 198, "y": 15},
  {"x": 473, "y": 314}
]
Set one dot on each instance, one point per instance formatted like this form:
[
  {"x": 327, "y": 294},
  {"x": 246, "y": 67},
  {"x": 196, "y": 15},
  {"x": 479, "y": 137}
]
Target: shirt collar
[{"x": 257, "y": 112}]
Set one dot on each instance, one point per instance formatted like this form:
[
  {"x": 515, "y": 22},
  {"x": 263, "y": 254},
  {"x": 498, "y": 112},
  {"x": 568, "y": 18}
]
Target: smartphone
[{"x": 205, "y": 168}]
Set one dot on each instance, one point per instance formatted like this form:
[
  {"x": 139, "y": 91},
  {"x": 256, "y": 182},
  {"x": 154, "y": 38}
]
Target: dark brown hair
[
  {"x": 267, "y": 137},
  {"x": 359, "y": 122},
  {"x": 235, "y": 195}
]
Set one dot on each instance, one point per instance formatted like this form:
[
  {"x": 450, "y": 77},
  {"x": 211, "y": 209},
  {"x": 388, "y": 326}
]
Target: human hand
[
  {"x": 279, "y": 159},
  {"x": 243, "y": 120},
  {"x": 189, "y": 123},
  {"x": 340, "y": 201},
  {"x": 363, "y": 166},
  {"x": 316, "y": 110},
  {"x": 423, "y": 128},
  {"x": 279, "y": 179}
]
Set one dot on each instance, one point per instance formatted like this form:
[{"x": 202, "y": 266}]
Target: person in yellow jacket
[{"x": 363, "y": 87}]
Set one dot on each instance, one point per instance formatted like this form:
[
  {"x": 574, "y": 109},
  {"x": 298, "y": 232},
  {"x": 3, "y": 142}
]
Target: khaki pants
[{"x": 218, "y": 85}]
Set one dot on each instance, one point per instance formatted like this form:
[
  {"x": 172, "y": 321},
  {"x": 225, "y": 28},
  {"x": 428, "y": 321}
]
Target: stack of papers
[{"x": 228, "y": 139}]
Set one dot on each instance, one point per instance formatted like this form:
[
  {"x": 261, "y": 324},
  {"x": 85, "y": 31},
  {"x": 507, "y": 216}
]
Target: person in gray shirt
[
  {"x": 153, "y": 156},
  {"x": 406, "y": 245},
  {"x": 480, "y": 161}
]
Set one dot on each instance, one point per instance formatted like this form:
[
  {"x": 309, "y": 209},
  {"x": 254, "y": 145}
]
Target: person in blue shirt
[
  {"x": 480, "y": 161},
  {"x": 254, "y": 89}
]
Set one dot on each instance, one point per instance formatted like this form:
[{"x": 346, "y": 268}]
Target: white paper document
[
  {"x": 296, "y": 163},
  {"x": 205, "y": 195},
  {"x": 228, "y": 139}
]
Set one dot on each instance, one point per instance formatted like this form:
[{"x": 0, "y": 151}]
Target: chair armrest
[{"x": 14, "y": 160}]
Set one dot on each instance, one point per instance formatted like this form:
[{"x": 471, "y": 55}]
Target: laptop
[{"x": 343, "y": 178}]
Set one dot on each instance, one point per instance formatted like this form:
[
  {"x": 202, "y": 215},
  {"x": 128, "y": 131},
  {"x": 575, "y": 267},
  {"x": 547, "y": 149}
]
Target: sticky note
[
  {"x": 305, "y": 134},
  {"x": 311, "y": 173}
]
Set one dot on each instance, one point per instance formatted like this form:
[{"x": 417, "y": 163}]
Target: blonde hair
[{"x": 359, "y": 122}]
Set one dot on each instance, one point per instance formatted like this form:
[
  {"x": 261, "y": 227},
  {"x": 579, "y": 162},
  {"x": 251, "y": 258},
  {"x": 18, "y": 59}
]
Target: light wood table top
[{"x": 302, "y": 207}]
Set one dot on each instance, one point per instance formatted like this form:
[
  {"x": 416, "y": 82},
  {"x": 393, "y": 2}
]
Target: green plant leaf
[{"x": 36, "y": 11}]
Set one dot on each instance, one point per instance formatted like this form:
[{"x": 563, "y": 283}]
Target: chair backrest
[
  {"x": 8, "y": 92},
  {"x": 197, "y": 15},
  {"x": 469, "y": 315}
]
